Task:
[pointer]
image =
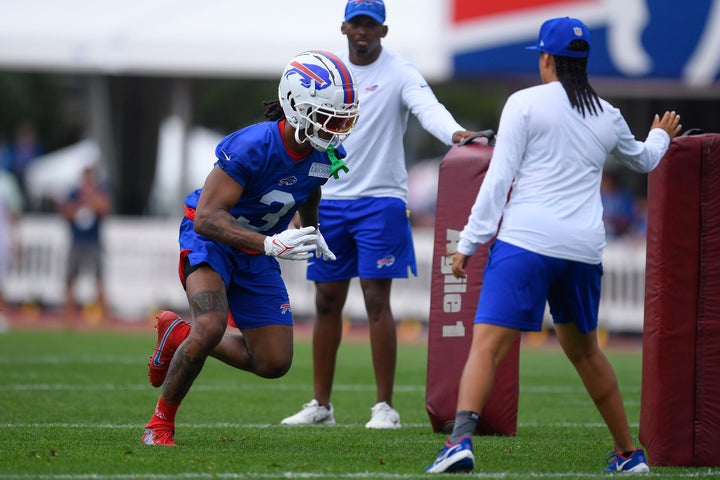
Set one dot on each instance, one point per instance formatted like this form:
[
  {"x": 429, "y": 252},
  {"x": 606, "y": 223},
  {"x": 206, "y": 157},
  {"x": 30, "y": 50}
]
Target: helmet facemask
[{"x": 323, "y": 127}]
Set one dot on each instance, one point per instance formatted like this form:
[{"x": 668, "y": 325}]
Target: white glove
[
  {"x": 322, "y": 247},
  {"x": 292, "y": 244}
]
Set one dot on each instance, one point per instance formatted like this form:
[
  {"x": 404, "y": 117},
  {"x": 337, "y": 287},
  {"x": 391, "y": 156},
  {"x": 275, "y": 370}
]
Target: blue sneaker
[
  {"x": 454, "y": 458},
  {"x": 635, "y": 463}
]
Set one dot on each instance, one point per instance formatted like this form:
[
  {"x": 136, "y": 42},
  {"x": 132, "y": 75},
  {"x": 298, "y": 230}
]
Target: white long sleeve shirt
[
  {"x": 553, "y": 159},
  {"x": 389, "y": 90}
]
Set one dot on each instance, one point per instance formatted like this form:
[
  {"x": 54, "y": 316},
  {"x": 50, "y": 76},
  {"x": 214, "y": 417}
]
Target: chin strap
[{"x": 336, "y": 164}]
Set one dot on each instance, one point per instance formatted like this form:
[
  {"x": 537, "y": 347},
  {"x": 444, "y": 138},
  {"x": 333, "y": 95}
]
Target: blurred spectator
[
  {"x": 639, "y": 227},
  {"x": 85, "y": 209},
  {"x": 422, "y": 193},
  {"x": 26, "y": 148},
  {"x": 6, "y": 153},
  {"x": 11, "y": 205},
  {"x": 618, "y": 206}
]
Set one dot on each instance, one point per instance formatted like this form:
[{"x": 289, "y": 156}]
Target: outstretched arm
[
  {"x": 212, "y": 219},
  {"x": 212, "y": 216},
  {"x": 670, "y": 122},
  {"x": 461, "y": 135},
  {"x": 309, "y": 218}
]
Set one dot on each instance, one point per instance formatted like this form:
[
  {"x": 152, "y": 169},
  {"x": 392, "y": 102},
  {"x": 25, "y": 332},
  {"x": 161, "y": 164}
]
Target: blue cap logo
[
  {"x": 374, "y": 9},
  {"x": 557, "y": 34}
]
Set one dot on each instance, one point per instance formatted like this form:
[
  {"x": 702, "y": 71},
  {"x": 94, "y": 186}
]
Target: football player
[{"x": 238, "y": 223}]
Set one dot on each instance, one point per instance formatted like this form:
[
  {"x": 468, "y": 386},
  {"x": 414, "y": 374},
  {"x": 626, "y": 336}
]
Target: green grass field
[{"x": 73, "y": 406}]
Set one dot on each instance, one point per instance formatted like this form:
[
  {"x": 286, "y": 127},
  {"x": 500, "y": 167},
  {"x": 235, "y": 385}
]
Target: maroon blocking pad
[
  {"x": 680, "y": 399},
  {"x": 454, "y": 301}
]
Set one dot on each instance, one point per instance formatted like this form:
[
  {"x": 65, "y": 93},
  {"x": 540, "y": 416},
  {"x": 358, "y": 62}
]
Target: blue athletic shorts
[
  {"x": 256, "y": 293},
  {"x": 371, "y": 238},
  {"x": 517, "y": 283}
]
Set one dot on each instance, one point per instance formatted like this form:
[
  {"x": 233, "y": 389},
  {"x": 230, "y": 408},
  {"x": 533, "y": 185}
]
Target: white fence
[{"x": 141, "y": 274}]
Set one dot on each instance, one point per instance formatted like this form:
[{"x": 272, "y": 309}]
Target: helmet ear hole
[{"x": 316, "y": 80}]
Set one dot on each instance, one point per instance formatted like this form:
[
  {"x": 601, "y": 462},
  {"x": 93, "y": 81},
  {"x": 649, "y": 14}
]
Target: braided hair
[
  {"x": 572, "y": 73},
  {"x": 273, "y": 110}
]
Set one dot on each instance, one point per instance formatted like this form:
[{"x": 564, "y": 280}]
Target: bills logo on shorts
[
  {"x": 308, "y": 73},
  {"x": 386, "y": 262},
  {"x": 284, "y": 308}
]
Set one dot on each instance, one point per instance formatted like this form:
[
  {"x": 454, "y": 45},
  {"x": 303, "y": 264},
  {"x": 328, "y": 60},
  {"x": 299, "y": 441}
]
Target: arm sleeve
[
  {"x": 239, "y": 158},
  {"x": 639, "y": 156},
  {"x": 490, "y": 202},
  {"x": 422, "y": 102}
]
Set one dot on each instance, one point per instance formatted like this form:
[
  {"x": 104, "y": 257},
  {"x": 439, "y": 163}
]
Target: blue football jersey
[{"x": 275, "y": 185}]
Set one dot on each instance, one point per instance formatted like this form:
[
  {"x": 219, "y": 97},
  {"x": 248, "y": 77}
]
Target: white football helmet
[{"x": 318, "y": 95}]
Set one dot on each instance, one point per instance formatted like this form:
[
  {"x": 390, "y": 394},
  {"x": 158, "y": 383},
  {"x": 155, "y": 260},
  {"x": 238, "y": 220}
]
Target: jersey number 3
[{"x": 286, "y": 202}]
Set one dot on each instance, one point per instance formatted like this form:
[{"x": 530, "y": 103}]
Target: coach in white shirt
[
  {"x": 552, "y": 142},
  {"x": 363, "y": 213}
]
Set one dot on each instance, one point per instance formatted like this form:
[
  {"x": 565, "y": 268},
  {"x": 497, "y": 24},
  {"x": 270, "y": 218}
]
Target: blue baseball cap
[
  {"x": 556, "y": 35},
  {"x": 374, "y": 9}
]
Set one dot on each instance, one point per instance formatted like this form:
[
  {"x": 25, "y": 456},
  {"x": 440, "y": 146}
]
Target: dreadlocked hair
[
  {"x": 273, "y": 110},
  {"x": 572, "y": 73}
]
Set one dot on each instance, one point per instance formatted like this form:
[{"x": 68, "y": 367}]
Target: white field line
[
  {"x": 49, "y": 387},
  {"x": 542, "y": 389},
  {"x": 270, "y": 425},
  {"x": 92, "y": 359},
  {"x": 700, "y": 473}
]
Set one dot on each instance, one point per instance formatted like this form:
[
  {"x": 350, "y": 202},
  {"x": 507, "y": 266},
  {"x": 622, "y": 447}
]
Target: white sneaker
[
  {"x": 383, "y": 416},
  {"x": 312, "y": 414}
]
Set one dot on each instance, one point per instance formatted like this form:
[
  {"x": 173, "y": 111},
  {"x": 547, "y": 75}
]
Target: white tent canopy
[
  {"x": 53, "y": 175},
  {"x": 212, "y": 38},
  {"x": 184, "y": 39}
]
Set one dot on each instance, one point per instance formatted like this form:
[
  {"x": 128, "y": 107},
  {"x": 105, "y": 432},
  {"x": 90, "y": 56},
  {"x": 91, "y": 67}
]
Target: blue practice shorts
[
  {"x": 371, "y": 238},
  {"x": 517, "y": 283},
  {"x": 256, "y": 293}
]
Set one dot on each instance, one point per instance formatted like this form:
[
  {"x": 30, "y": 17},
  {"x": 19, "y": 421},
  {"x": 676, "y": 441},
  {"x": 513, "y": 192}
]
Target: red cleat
[
  {"x": 172, "y": 330},
  {"x": 159, "y": 436}
]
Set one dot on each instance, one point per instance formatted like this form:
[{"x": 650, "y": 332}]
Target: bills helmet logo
[
  {"x": 386, "y": 262},
  {"x": 284, "y": 308},
  {"x": 308, "y": 73}
]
